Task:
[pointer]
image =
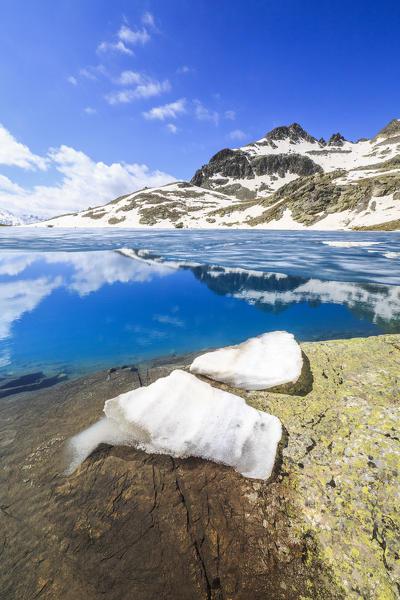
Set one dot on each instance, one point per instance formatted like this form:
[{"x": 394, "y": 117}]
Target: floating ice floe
[
  {"x": 349, "y": 244},
  {"x": 182, "y": 416},
  {"x": 259, "y": 363}
]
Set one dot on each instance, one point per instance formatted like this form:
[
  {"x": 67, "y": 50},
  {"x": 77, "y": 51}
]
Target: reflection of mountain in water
[{"x": 275, "y": 292}]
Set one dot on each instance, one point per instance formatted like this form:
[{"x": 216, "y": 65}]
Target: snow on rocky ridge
[
  {"x": 286, "y": 180},
  {"x": 7, "y": 218}
]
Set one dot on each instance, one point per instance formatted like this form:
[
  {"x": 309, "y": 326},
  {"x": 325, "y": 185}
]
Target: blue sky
[{"x": 106, "y": 97}]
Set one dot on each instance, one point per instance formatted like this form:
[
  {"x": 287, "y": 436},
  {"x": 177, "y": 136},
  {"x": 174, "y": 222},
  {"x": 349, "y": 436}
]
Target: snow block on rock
[
  {"x": 257, "y": 364},
  {"x": 182, "y": 416}
]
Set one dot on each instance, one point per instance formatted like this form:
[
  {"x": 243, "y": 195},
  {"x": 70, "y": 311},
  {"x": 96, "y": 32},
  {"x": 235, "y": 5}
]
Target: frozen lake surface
[{"x": 69, "y": 302}]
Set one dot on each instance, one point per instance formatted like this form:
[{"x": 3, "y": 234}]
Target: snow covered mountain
[
  {"x": 7, "y": 218},
  {"x": 286, "y": 180}
]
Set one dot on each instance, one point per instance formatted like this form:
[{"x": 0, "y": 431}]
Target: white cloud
[
  {"x": 72, "y": 80},
  {"x": 114, "y": 47},
  {"x": 148, "y": 19},
  {"x": 128, "y": 37},
  {"x": 133, "y": 37},
  {"x": 169, "y": 111},
  {"x": 230, "y": 114},
  {"x": 8, "y": 185},
  {"x": 14, "y": 153},
  {"x": 82, "y": 182},
  {"x": 92, "y": 73},
  {"x": 145, "y": 89},
  {"x": 204, "y": 114},
  {"x": 90, "y": 111},
  {"x": 184, "y": 69},
  {"x": 172, "y": 128},
  {"x": 87, "y": 74},
  {"x": 237, "y": 134},
  {"x": 129, "y": 78}
]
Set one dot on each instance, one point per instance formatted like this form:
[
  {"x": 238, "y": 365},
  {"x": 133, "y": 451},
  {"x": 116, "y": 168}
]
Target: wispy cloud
[
  {"x": 72, "y": 80},
  {"x": 114, "y": 47},
  {"x": 127, "y": 35},
  {"x": 90, "y": 111},
  {"x": 167, "y": 111},
  {"x": 129, "y": 78},
  {"x": 172, "y": 128},
  {"x": 230, "y": 114},
  {"x": 204, "y": 114},
  {"x": 237, "y": 134},
  {"x": 148, "y": 19},
  {"x": 92, "y": 73},
  {"x": 184, "y": 69},
  {"x": 14, "y": 153},
  {"x": 146, "y": 89}
]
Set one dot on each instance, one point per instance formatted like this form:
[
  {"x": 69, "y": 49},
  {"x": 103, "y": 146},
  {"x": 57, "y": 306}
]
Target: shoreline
[{"x": 56, "y": 377}]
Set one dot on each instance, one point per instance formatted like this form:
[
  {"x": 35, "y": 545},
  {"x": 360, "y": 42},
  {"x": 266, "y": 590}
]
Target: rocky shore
[{"x": 132, "y": 525}]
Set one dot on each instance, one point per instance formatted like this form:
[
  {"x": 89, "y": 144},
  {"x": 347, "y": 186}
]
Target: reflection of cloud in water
[
  {"x": 13, "y": 264},
  {"x": 17, "y": 298},
  {"x": 91, "y": 270},
  {"x": 169, "y": 320}
]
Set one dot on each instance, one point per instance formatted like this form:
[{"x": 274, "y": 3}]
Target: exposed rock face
[
  {"x": 236, "y": 164},
  {"x": 133, "y": 525},
  {"x": 294, "y": 133},
  {"x": 281, "y": 164},
  {"x": 390, "y": 130},
  {"x": 227, "y": 163},
  {"x": 336, "y": 140}
]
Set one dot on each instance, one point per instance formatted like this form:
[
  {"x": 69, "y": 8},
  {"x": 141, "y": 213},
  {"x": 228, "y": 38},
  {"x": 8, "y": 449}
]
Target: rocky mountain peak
[
  {"x": 390, "y": 130},
  {"x": 336, "y": 139},
  {"x": 294, "y": 132}
]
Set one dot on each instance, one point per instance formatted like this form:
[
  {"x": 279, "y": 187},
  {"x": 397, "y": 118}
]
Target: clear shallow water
[{"x": 70, "y": 303}]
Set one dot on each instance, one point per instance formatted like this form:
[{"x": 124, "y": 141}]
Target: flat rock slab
[{"x": 132, "y": 525}]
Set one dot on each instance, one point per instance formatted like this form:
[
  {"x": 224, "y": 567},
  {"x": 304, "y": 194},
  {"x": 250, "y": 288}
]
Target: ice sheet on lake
[
  {"x": 257, "y": 364},
  {"x": 182, "y": 416}
]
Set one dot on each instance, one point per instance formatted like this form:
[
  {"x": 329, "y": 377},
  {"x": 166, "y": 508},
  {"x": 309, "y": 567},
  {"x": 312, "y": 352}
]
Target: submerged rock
[
  {"x": 181, "y": 416},
  {"x": 259, "y": 363},
  {"x": 29, "y": 383}
]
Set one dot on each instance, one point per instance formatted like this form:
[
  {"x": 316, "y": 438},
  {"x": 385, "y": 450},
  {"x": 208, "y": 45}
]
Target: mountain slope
[
  {"x": 177, "y": 204},
  {"x": 286, "y": 180}
]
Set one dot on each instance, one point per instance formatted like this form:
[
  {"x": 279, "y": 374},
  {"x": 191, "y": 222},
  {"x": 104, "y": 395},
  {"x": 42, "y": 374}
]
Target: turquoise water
[{"x": 69, "y": 302}]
